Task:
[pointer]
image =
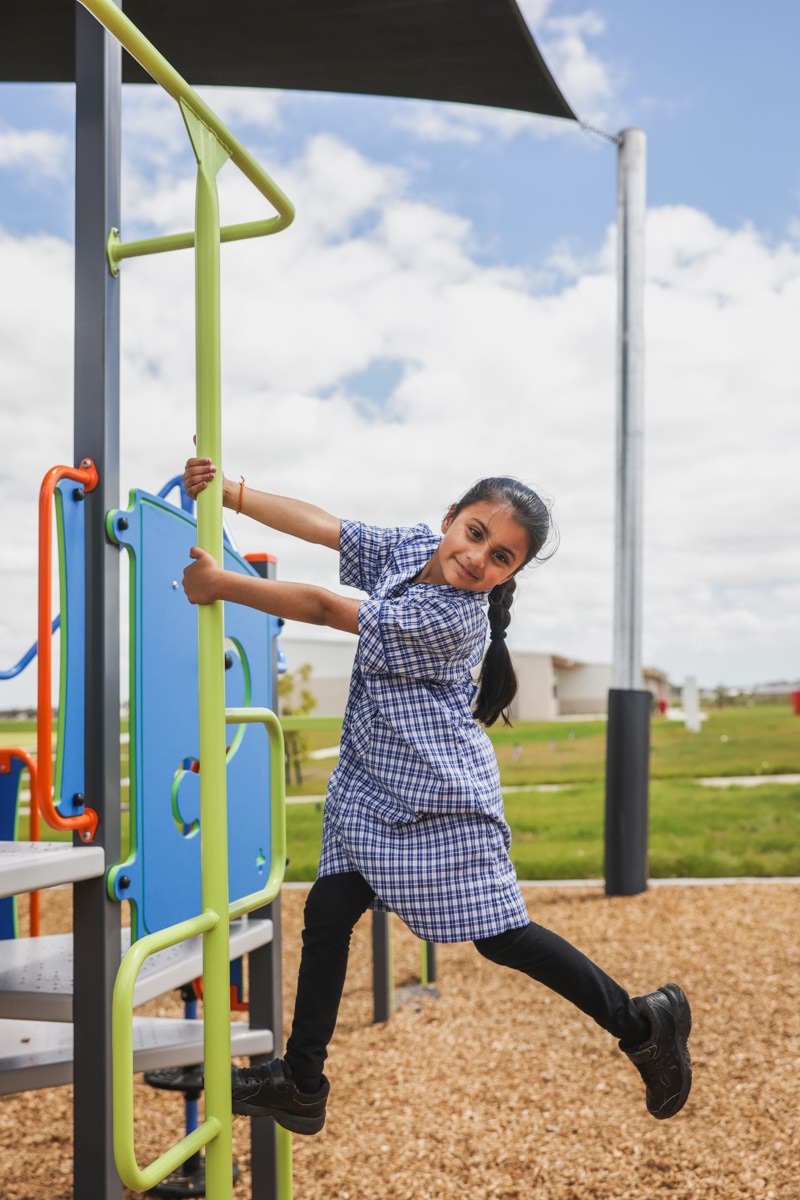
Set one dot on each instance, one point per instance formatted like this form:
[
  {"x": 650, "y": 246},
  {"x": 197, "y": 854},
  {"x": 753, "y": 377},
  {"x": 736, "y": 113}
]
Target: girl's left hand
[{"x": 201, "y": 580}]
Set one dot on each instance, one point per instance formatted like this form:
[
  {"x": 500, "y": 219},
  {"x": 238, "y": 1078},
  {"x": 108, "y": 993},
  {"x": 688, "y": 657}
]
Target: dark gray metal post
[
  {"x": 627, "y": 770},
  {"x": 382, "y": 982},
  {"x": 265, "y": 980},
  {"x": 430, "y": 959},
  {"x": 628, "y": 739},
  {"x": 265, "y": 992},
  {"x": 96, "y": 430}
]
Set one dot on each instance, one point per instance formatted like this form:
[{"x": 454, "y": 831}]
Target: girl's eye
[
  {"x": 474, "y": 531},
  {"x": 502, "y": 558}
]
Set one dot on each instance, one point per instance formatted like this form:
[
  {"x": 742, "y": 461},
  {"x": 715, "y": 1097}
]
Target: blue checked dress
[{"x": 414, "y": 804}]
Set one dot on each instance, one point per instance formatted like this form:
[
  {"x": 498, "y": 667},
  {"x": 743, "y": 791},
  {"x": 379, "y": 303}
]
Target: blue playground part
[
  {"x": 187, "y": 503},
  {"x": 161, "y": 875},
  {"x": 28, "y": 656},
  {"x": 68, "y": 776},
  {"x": 9, "y": 793}
]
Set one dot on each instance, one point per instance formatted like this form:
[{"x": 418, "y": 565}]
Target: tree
[{"x": 296, "y": 700}]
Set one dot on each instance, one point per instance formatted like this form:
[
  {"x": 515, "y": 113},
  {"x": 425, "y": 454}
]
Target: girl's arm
[
  {"x": 204, "y": 582},
  {"x": 295, "y": 517}
]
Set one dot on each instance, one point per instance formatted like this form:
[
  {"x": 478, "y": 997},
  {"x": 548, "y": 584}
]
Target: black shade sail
[{"x": 472, "y": 51}]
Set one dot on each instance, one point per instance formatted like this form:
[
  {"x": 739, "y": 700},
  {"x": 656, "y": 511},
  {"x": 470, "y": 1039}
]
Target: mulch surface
[{"x": 498, "y": 1088}]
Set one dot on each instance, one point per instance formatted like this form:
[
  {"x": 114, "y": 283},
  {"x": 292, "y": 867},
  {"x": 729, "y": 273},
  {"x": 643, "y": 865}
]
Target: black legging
[{"x": 334, "y": 905}]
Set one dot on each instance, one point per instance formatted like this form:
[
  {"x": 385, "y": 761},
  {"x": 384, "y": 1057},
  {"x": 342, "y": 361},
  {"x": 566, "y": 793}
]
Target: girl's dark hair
[{"x": 498, "y": 680}]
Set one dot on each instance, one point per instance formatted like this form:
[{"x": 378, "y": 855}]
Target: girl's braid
[
  {"x": 500, "y": 600},
  {"x": 498, "y": 682}
]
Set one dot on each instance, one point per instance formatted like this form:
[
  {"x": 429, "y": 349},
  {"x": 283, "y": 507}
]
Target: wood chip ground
[{"x": 500, "y": 1089}]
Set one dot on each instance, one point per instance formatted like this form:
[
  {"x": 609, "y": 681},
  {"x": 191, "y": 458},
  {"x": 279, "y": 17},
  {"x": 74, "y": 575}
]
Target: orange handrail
[
  {"x": 86, "y": 822},
  {"x": 6, "y": 755}
]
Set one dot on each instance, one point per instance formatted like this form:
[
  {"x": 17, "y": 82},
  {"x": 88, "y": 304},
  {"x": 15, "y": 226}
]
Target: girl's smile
[{"x": 483, "y": 546}]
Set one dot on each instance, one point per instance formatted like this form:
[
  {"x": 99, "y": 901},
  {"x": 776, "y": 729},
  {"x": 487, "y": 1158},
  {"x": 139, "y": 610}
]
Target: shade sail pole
[
  {"x": 628, "y": 744},
  {"x": 631, "y": 207}
]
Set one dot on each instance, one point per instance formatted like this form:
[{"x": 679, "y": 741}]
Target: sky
[{"x": 444, "y": 307}]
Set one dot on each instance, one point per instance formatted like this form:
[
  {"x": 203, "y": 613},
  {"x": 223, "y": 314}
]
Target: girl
[{"x": 414, "y": 816}]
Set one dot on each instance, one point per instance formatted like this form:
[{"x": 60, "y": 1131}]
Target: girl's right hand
[
  {"x": 201, "y": 580},
  {"x": 197, "y": 474}
]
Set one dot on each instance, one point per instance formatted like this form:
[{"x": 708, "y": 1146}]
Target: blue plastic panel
[
  {"x": 68, "y": 777},
  {"x": 9, "y": 793},
  {"x": 163, "y": 869}
]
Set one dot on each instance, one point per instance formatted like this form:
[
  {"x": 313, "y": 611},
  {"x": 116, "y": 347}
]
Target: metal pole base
[
  {"x": 627, "y": 777},
  {"x": 382, "y": 974},
  {"x": 188, "y": 1180},
  {"x": 428, "y": 962}
]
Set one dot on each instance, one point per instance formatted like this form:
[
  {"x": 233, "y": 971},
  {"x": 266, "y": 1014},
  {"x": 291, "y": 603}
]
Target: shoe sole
[
  {"x": 682, "y": 1017},
  {"x": 294, "y": 1122}
]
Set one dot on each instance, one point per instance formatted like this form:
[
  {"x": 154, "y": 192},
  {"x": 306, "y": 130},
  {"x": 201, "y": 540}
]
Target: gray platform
[
  {"x": 36, "y": 973},
  {"x": 37, "y": 1054},
  {"x": 26, "y": 866}
]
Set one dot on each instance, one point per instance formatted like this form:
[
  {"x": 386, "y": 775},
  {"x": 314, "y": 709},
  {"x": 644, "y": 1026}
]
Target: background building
[{"x": 550, "y": 686}]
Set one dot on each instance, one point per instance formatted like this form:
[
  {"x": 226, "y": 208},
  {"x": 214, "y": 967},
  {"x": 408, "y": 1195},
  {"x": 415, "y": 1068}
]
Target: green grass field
[{"x": 694, "y": 830}]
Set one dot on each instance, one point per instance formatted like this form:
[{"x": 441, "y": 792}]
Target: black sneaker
[
  {"x": 270, "y": 1091},
  {"x": 663, "y": 1059}
]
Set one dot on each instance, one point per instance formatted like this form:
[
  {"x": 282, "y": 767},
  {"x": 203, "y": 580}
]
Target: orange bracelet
[{"x": 241, "y": 495}]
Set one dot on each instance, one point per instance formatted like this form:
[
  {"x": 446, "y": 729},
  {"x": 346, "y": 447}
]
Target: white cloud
[
  {"x": 534, "y": 11},
  {"x": 253, "y": 108},
  {"x": 584, "y": 77},
  {"x": 494, "y": 376},
  {"x": 589, "y": 82},
  {"x": 34, "y": 151},
  {"x": 153, "y": 119}
]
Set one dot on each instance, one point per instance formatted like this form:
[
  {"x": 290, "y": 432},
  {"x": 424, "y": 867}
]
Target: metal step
[
  {"x": 36, "y": 973},
  {"x": 37, "y": 1054},
  {"x": 26, "y": 866}
]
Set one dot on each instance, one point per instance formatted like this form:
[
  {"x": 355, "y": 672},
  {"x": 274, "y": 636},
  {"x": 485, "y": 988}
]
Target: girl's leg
[
  {"x": 551, "y": 960},
  {"x": 334, "y": 905},
  {"x": 653, "y": 1030}
]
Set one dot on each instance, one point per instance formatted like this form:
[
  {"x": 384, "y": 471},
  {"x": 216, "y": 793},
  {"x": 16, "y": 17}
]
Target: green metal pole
[
  {"x": 211, "y": 156},
  {"x": 284, "y": 1146}
]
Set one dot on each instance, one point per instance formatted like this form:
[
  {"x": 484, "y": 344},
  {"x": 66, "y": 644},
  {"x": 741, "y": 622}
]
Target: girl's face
[{"x": 483, "y": 545}]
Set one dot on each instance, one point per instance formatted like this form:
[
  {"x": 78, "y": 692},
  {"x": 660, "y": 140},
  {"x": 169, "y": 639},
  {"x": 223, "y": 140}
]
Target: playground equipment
[
  {"x": 38, "y": 1009},
  {"x": 12, "y": 763},
  {"x": 68, "y": 811},
  {"x": 171, "y": 919},
  {"x": 66, "y": 488},
  {"x": 213, "y": 145},
  {"x": 383, "y": 990},
  {"x": 160, "y": 875}
]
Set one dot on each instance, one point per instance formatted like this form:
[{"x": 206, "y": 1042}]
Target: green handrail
[
  {"x": 131, "y": 1174},
  {"x": 141, "y": 1179},
  {"x": 213, "y": 145},
  {"x": 163, "y": 73},
  {"x": 277, "y": 782}
]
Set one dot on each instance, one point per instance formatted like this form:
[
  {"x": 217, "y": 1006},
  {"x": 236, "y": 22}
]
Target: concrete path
[{"x": 725, "y": 781}]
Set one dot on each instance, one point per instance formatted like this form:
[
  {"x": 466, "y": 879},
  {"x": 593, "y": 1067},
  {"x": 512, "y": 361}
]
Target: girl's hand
[
  {"x": 197, "y": 474},
  {"x": 201, "y": 580}
]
